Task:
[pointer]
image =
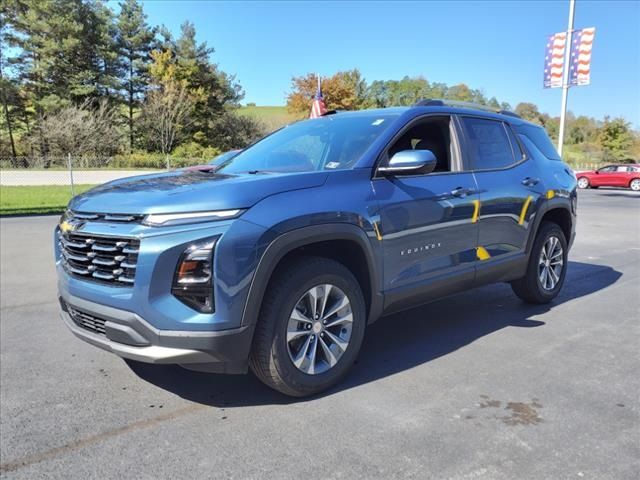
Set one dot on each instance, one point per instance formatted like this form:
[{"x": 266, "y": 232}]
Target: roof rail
[
  {"x": 429, "y": 102},
  {"x": 508, "y": 113},
  {"x": 432, "y": 102}
]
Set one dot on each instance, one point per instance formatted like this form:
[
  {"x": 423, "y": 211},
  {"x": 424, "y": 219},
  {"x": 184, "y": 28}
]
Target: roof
[{"x": 440, "y": 106}]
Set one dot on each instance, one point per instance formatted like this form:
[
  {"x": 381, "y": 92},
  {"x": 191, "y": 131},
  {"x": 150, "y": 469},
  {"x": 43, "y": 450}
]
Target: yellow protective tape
[
  {"x": 482, "y": 253},
  {"x": 523, "y": 212},
  {"x": 476, "y": 211}
]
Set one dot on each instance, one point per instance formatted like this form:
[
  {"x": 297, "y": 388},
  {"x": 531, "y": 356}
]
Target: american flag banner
[
  {"x": 318, "y": 107},
  {"x": 581, "y": 44},
  {"x": 554, "y": 60}
]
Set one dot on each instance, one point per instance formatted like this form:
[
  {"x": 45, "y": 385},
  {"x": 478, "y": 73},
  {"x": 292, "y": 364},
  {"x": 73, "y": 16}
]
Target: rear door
[
  {"x": 510, "y": 192},
  {"x": 623, "y": 175}
]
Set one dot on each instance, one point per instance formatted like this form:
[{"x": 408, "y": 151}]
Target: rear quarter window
[{"x": 540, "y": 139}]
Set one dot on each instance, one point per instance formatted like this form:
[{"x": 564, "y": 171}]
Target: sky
[{"x": 497, "y": 46}]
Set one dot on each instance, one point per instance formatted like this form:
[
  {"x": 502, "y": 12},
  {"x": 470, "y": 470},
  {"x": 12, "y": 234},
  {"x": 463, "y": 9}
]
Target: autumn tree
[{"x": 342, "y": 91}]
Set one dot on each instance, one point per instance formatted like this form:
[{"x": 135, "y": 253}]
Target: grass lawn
[
  {"x": 36, "y": 199},
  {"x": 272, "y": 117}
]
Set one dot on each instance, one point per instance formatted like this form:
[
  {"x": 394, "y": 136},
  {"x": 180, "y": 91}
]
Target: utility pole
[{"x": 565, "y": 75}]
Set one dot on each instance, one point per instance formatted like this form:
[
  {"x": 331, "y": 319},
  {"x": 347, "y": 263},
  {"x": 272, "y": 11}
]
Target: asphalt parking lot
[{"x": 478, "y": 385}]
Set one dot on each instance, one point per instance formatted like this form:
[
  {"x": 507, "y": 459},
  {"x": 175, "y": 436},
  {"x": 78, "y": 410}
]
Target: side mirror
[{"x": 409, "y": 162}]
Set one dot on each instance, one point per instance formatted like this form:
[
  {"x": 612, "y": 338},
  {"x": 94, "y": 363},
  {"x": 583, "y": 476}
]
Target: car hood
[{"x": 190, "y": 191}]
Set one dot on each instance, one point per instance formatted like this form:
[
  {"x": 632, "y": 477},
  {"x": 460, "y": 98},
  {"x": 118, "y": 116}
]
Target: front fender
[{"x": 300, "y": 237}]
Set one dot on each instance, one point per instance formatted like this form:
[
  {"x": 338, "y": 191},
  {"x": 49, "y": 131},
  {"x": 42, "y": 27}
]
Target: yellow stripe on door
[
  {"x": 523, "y": 212},
  {"x": 476, "y": 211}
]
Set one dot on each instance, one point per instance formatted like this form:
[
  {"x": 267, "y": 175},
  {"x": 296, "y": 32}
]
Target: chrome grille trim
[
  {"x": 99, "y": 258},
  {"x": 107, "y": 217}
]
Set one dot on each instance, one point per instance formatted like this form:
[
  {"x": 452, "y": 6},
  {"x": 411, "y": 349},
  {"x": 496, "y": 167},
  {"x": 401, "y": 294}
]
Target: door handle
[
  {"x": 461, "y": 192},
  {"x": 530, "y": 182}
]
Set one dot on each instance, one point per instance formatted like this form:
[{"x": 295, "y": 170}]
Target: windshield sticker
[
  {"x": 378, "y": 122},
  {"x": 332, "y": 165}
]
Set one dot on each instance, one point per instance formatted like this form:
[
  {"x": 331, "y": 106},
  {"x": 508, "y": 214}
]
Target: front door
[
  {"x": 606, "y": 177},
  {"x": 427, "y": 222}
]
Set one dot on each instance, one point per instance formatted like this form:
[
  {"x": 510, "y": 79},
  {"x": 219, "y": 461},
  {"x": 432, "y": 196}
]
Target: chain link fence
[
  {"x": 36, "y": 185},
  {"x": 70, "y": 171}
]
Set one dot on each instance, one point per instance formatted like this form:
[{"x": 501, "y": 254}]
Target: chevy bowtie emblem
[{"x": 66, "y": 227}]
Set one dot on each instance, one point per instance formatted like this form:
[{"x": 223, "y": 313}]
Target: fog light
[{"x": 193, "y": 280}]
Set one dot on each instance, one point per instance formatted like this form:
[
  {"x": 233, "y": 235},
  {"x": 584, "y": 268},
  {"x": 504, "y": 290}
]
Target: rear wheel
[
  {"x": 311, "y": 327},
  {"x": 583, "y": 182},
  {"x": 546, "y": 269},
  {"x": 635, "y": 185}
]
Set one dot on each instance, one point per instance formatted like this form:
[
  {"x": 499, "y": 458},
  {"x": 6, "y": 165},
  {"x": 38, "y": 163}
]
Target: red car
[{"x": 627, "y": 176}]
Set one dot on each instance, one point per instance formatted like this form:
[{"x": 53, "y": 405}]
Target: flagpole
[{"x": 565, "y": 76}]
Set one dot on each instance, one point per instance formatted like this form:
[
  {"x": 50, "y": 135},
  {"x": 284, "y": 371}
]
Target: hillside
[{"x": 272, "y": 117}]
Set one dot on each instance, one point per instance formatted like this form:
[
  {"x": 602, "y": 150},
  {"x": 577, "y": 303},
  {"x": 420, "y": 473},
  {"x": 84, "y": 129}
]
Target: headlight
[
  {"x": 192, "y": 282},
  {"x": 164, "y": 219}
]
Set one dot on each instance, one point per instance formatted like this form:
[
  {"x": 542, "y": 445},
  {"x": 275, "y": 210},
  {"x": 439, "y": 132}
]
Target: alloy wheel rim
[
  {"x": 635, "y": 185},
  {"x": 319, "y": 329},
  {"x": 550, "y": 263},
  {"x": 583, "y": 182}
]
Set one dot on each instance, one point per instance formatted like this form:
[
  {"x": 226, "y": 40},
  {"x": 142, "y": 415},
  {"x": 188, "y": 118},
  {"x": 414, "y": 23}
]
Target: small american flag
[
  {"x": 581, "y": 44},
  {"x": 554, "y": 60},
  {"x": 318, "y": 107}
]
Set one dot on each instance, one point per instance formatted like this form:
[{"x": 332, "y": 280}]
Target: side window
[
  {"x": 429, "y": 134},
  {"x": 518, "y": 154},
  {"x": 540, "y": 139},
  {"x": 609, "y": 169},
  {"x": 488, "y": 144}
]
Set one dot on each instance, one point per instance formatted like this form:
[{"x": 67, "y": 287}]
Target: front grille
[
  {"x": 86, "y": 320},
  {"x": 107, "y": 217},
  {"x": 102, "y": 259}
]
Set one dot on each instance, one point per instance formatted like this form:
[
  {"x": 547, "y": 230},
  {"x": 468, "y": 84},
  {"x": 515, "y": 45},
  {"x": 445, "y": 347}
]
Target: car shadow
[{"x": 395, "y": 343}]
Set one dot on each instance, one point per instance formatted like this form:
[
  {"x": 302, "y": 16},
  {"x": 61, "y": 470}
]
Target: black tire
[
  {"x": 529, "y": 288},
  {"x": 269, "y": 359}
]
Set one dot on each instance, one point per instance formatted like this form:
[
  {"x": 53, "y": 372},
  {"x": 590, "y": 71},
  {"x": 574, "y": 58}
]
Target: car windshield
[
  {"x": 332, "y": 142},
  {"x": 223, "y": 157}
]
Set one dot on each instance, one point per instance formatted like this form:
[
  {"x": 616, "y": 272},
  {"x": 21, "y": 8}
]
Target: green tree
[
  {"x": 615, "y": 138},
  {"x": 136, "y": 40},
  {"x": 210, "y": 89},
  {"x": 8, "y": 89},
  {"x": 530, "y": 112},
  {"x": 460, "y": 92},
  {"x": 65, "y": 54}
]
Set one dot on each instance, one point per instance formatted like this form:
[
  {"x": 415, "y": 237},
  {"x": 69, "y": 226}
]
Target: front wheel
[
  {"x": 635, "y": 185},
  {"x": 547, "y": 266},
  {"x": 583, "y": 182},
  {"x": 311, "y": 327}
]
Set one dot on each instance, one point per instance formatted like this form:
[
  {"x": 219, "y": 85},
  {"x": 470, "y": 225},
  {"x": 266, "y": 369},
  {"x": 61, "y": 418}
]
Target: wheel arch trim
[
  {"x": 300, "y": 237},
  {"x": 547, "y": 207}
]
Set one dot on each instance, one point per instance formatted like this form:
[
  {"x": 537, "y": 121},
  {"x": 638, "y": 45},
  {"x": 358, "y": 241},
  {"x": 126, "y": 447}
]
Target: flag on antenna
[
  {"x": 318, "y": 107},
  {"x": 554, "y": 60},
  {"x": 581, "y": 44}
]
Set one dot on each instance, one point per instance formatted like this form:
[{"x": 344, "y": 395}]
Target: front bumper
[{"x": 128, "y": 335}]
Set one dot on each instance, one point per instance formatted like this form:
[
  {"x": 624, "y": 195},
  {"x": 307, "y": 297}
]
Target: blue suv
[{"x": 278, "y": 258}]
